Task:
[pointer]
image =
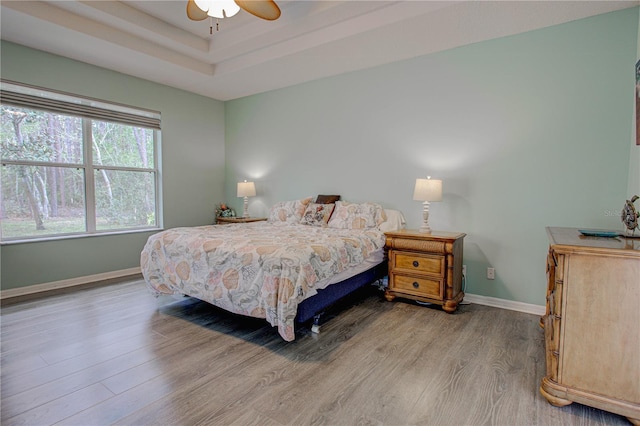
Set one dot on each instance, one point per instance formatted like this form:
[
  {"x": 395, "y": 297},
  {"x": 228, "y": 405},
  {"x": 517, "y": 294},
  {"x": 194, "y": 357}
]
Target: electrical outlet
[
  {"x": 464, "y": 271},
  {"x": 491, "y": 273}
]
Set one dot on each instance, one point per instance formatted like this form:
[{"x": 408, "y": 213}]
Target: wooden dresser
[
  {"x": 592, "y": 324},
  {"x": 426, "y": 267}
]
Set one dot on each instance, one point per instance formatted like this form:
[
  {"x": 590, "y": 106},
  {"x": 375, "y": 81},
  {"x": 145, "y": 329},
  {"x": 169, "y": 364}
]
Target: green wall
[
  {"x": 192, "y": 156},
  {"x": 526, "y": 131}
]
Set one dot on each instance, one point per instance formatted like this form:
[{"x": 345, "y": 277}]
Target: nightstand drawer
[
  {"x": 419, "y": 286},
  {"x": 418, "y": 263}
]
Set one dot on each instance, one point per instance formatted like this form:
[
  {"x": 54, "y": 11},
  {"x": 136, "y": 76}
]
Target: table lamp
[
  {"x": 427, "y": 190},
  {"x": 246, "y": 190}
]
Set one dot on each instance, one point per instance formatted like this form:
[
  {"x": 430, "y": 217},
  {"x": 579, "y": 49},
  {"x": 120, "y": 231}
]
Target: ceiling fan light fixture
[{"x": 218, "y": 8}]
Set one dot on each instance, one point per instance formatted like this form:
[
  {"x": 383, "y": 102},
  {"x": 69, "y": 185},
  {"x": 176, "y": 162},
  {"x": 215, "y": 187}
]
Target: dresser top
[{"x": 572, "y": 239}]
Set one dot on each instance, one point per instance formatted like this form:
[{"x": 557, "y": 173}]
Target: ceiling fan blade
[
  {"x": 194, "y": 12},
  {"x": 265, "y": 9}
]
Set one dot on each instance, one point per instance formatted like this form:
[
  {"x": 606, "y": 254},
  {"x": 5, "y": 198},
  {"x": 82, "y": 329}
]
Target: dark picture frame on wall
[{"x": 638, "y": 102}]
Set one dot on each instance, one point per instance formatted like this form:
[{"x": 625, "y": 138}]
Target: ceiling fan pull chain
[{"x": 211, "y": 25}]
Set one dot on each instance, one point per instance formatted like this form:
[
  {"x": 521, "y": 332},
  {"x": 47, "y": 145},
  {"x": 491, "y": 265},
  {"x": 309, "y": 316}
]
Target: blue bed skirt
[{"x": 328, "y": 296}]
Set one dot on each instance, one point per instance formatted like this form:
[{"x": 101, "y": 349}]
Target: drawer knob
[
  {"x": 416, "y": 263},
  {"x": 415, "y": 284}
]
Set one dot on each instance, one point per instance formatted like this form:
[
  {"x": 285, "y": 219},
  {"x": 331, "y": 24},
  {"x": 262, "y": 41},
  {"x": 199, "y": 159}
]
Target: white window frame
[{"x": 88, "y": 109}]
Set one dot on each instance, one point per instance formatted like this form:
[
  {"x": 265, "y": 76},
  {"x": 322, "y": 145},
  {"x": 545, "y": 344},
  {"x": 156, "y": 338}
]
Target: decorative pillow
[
  {"x": 357, "y": 216},
  {"x": 327, "y": 199},
  {"x": 288, "y": 211},
  {"x": 317, "y": 214}
]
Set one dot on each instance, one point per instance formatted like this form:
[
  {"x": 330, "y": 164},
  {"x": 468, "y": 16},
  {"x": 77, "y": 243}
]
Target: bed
[{"x": 286, "y": 270}]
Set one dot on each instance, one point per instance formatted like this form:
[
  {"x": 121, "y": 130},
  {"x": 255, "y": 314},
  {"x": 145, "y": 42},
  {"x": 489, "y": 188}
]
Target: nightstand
[
  {"x": 223, "y": 220},
  {"x": 425, "y": 267}
]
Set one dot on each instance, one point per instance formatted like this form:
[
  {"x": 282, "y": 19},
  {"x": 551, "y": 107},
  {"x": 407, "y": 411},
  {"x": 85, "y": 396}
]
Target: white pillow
[{"x": 395, "y": 221}]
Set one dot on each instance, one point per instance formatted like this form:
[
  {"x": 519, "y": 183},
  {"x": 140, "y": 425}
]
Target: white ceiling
[{"x": 312, "y": 39}]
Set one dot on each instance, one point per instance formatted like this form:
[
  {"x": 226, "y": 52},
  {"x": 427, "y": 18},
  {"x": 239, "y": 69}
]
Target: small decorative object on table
[
  {"x": 630, "y": 216},
  {"x": 222, "y": 210}
]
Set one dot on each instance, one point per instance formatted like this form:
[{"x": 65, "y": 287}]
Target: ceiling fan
[{"x": 198, "y": 10}]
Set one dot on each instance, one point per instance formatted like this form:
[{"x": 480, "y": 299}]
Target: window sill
[{"x": 74, "y": 236}]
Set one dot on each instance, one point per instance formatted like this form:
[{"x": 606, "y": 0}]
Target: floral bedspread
[{"x": 255, "y": 269}]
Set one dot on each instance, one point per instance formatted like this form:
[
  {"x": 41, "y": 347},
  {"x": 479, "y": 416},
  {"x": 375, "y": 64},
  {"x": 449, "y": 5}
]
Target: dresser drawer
[
  {"x": 419, "y": 286},
  {"x": 418, "y": 263}
]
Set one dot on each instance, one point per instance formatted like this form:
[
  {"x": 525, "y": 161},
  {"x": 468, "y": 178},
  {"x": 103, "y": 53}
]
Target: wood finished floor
[{"x": 116, "y": 355}]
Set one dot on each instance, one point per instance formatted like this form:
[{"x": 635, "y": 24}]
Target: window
[{"x": 75, "y": 166}]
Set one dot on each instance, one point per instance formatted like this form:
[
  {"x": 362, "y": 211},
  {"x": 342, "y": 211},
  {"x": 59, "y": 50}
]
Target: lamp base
[
  {"x": 245, "y": 214},
  {"x": 425, "y": 228}
]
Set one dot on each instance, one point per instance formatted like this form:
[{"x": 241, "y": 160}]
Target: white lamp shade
[
  {"x": 246, "y": 189},
  {"x": 428, "y": 190},
  {"x": 218, "y": 8}
]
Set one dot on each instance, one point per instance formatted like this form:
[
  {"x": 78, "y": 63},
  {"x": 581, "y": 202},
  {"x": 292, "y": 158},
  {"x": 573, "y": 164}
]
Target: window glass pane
[
  {"x": 41, "y": 201},
  {"x": 33, "y": 135},
  {"x": 122, "y": 145},
  {"x": 124, "y": 199}
]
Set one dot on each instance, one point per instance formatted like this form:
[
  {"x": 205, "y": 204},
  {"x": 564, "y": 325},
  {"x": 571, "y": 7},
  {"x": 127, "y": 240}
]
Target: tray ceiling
[{"x": 156, "y": 41}]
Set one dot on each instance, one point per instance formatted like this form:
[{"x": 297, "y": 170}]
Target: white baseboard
[
  {"x": 505, "y": 304},
  {"x": 56, "y": 285}
]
